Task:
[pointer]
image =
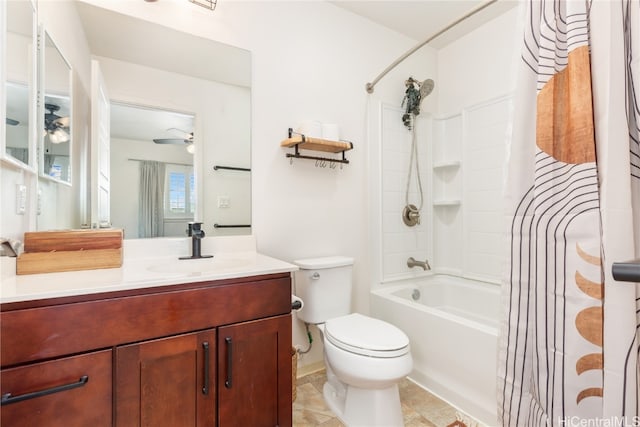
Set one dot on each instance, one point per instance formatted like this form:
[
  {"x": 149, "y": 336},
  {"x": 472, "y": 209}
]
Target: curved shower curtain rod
[{"x": 472, "y": 12}]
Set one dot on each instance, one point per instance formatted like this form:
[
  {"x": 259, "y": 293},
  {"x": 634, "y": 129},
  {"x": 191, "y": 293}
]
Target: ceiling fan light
[
  {"x": 54, "y": 138},
  {"x": 58, "y": 136},
  {"x": 191, "y": 148}
]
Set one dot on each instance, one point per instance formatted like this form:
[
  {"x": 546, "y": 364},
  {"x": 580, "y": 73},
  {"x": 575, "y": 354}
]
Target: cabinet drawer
[
  {"x": 74, "y": 391},
  {"x": 58, "y": 330}
]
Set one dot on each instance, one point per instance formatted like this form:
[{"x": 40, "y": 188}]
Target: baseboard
[{"x": 309, "y": 369}]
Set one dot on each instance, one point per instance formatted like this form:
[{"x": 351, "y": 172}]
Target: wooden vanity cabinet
[
  {"x": 167, "y": 382},
  {"x": 197, "y": 354},
  {"x": 71, "y": 391},
  {"x": 254, "y": 360}
]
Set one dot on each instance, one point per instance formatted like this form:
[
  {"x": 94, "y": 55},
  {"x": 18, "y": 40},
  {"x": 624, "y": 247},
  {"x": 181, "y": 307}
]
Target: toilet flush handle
[{"x": 315, "y": 276}]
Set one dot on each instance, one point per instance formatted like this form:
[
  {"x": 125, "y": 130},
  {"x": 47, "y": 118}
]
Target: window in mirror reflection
[
  {"x": 152, "y": 173},
  {"x": 19, "y": 53}
]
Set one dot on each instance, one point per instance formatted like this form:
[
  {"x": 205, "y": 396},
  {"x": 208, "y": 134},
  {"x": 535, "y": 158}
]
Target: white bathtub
[{"x": 453, "y": 331}]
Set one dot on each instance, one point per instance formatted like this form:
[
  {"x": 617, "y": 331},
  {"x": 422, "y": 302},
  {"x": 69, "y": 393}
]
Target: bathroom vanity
[{"x": 198, "y": 350}]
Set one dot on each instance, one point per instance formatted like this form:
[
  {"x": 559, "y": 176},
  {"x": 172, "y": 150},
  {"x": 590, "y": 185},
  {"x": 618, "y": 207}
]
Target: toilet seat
[{"x": 366, "y": 336}]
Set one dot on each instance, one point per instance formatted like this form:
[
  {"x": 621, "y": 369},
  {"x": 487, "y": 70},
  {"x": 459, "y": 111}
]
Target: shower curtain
[{"x": 568, "y": 352}]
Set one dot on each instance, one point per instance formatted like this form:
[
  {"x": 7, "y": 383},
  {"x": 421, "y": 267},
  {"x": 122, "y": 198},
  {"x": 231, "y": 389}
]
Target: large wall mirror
[
  {"x": 193, "y": 97},
  {"x": 19, "y": 84},
  {"x": 55, "y": 75}
]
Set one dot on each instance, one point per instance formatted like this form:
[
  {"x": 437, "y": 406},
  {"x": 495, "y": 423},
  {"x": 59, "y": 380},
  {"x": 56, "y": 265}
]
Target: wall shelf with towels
[{"x": 303, "y": 142}]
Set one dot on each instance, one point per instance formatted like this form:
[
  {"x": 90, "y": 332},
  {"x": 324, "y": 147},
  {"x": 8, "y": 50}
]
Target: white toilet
[{"x": 365, "y": 358}]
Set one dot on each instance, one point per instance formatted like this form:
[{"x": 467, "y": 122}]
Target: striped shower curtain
[{"x": 569, "y": 343}]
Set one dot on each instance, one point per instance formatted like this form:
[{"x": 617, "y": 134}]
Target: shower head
[{"x": 426, "y": 87}]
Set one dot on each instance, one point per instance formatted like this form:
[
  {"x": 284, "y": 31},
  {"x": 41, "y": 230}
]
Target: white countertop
[{"x": 147, "y": 263}]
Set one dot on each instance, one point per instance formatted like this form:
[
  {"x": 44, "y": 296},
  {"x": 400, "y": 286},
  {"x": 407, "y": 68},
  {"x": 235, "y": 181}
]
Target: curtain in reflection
[{"x": 151, "y": 209}]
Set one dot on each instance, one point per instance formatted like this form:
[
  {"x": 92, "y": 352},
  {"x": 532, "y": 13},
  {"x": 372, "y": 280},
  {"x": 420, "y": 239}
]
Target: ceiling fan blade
[
  {"x": 171, "y": 141},
  {"x": 62, "y": 122},
  {"x": 179, "y": 133},
  {"x": 12, "y": 122}
]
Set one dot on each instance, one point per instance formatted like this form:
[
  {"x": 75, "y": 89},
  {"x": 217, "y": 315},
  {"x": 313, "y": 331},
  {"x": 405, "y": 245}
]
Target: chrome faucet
[
  {"x": 196, "y": 233},
  {"x": 411, "y": 262}
]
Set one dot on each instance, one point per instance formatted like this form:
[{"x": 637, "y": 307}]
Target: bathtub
[{"x": 452, "y": 325}]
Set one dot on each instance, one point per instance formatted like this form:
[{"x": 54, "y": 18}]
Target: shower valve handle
[{"x": 411, "y": 215}]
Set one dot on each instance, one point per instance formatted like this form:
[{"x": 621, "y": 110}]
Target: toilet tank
[{"x": 324, "y": 285}]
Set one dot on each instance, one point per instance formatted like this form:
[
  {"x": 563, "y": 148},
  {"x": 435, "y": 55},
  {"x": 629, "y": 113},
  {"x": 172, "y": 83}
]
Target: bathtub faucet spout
[{"x": 411, "y": 262}]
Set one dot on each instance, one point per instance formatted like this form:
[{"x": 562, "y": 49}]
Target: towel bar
[
  {"x": 231, "y": 168},
  {"x": 626, "y": 271}
]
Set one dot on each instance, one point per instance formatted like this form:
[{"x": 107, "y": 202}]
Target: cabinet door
[
  {"x": 167, "y": 382},
  {"x": 73, "y": 391},
  {"x": 254, "y": 381}
]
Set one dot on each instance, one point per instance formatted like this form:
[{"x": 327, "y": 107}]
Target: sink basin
[{"x": 200, "y": 266}]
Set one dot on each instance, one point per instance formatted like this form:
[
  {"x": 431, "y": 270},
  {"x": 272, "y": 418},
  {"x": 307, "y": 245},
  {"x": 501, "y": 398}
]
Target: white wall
[{"x": 479, "y": 66}]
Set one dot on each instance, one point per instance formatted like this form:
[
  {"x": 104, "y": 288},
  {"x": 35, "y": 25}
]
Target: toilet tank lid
[{"x": 323, "y": 262}]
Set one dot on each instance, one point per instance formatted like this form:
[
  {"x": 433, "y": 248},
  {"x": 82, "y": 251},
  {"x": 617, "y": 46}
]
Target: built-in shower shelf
[
  {"x": 302, "y": 142},
  {"x": 446, "y": 202},
  {"x": 447, "y": 165}
]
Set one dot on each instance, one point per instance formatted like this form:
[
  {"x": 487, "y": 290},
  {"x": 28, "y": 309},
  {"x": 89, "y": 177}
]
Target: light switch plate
[
  {"x": 223, "y": 201},
  {"x": 21, "y": 199}
]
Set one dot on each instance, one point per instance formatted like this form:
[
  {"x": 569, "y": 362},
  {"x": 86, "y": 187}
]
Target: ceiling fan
[
  {"x": 182, "y": 138},
  {"x": 57, "y": 127}
]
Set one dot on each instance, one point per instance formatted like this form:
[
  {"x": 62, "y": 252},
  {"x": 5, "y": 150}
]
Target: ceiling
[
  {"x": 420, "y": 19},
  {"x": 145, "y": 124}
]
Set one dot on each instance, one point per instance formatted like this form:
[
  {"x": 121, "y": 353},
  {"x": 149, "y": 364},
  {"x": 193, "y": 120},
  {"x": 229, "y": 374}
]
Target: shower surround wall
[
  {"x": 461, "y": 135},
  {"x": 463, "y": 148},
  {"x": 399, "y": 242},
  {"x": 467, "y": 164}
]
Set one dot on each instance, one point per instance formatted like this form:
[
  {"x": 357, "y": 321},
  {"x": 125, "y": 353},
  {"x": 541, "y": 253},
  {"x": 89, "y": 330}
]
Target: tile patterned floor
[{"x": 419, "y": 407}]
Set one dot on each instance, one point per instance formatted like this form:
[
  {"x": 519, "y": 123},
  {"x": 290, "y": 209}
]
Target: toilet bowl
[
  {"x": 365, "y": 358},
  {"x": 363, "y": 370}
]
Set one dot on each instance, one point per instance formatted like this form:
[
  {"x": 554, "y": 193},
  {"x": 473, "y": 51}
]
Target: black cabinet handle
[
  {"x": 228, "y": 382},
  {"x": 7, "y": 398},
  {"x": 205, "y": 349}
]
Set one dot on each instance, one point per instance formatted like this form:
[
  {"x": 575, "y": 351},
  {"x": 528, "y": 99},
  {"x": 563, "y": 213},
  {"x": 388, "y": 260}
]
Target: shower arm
[{"x": 371, "y": 85}]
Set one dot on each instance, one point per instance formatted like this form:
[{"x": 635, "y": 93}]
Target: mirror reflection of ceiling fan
[
  {"x": 57, "y": 127},
  {"x": 182, "y": 138}
]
